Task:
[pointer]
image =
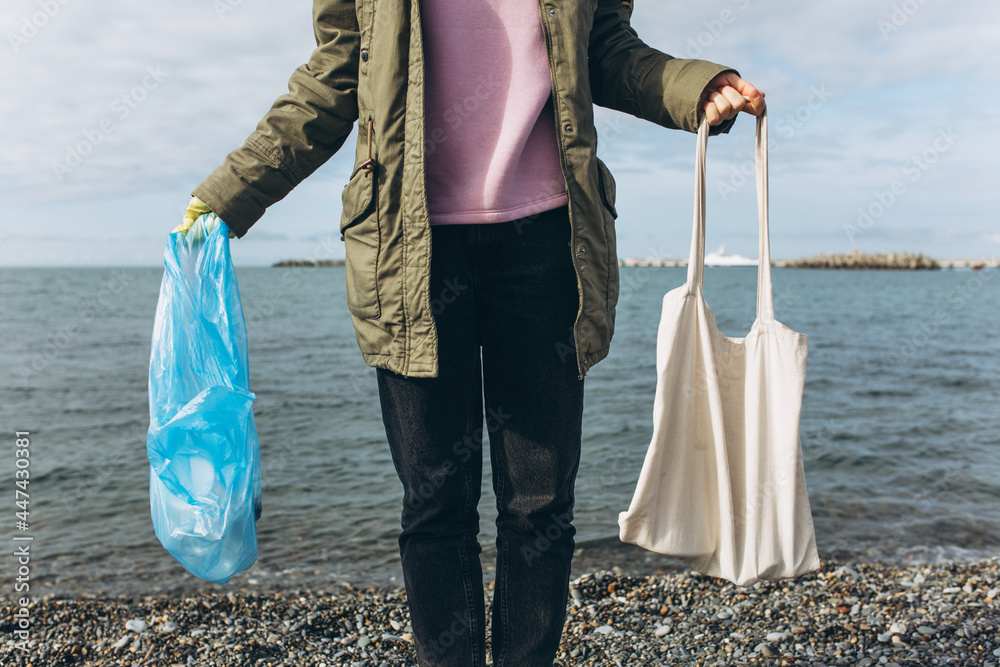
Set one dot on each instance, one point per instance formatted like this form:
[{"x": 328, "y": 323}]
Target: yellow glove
[{"x": 195, "y": 210}]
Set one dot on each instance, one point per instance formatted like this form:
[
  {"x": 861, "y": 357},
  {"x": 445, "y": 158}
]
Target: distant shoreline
[
  {"x": 854, "y": 261},
  {"x": 850, "y": 261}
]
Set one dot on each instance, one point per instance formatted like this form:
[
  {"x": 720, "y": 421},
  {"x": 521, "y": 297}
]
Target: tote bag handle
[{"x": 696, "y": 261}]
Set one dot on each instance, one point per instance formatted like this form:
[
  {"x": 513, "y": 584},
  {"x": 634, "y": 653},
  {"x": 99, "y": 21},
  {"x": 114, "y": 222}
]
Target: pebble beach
[{"x": 841, "y": 614}]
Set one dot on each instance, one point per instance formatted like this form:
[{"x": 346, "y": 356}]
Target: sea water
[{"x": 900, "y": 422}]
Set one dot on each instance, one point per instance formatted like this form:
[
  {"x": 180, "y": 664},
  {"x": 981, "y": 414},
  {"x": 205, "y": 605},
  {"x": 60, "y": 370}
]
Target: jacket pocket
[
  {"x": 359, "y": 229},
  {"x": 607, "y": 183}
]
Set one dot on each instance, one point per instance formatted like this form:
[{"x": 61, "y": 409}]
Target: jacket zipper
[{"x": 569, "y": 205}]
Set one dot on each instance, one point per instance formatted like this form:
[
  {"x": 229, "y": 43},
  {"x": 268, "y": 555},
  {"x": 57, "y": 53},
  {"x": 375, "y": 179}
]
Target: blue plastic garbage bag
[{"x": 204, "y": 456}]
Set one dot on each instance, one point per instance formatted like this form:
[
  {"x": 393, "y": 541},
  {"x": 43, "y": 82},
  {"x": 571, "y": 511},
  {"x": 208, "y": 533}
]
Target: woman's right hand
[{"x": 726, "y": 95}]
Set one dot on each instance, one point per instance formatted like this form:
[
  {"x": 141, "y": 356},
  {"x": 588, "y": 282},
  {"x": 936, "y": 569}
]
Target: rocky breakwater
[
  {"x": 859, "y": 260},
  {"x": 309, "y": 262}
]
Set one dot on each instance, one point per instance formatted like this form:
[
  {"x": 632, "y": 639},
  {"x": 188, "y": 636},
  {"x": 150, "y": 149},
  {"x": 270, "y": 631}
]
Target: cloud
[{"x": 83, "y": 85}]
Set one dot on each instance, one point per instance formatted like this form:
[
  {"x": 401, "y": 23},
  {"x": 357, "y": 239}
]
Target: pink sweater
[{"x": 491, "y": 146}]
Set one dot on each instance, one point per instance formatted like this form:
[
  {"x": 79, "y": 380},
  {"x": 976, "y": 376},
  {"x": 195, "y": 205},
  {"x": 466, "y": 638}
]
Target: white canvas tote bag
[{"x": 722, "y": 487}]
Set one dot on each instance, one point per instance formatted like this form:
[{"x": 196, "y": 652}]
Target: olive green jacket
[{"x": 369, "y": 66}]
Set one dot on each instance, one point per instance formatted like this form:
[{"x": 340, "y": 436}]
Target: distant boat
[{"x": 720, "y": 258}]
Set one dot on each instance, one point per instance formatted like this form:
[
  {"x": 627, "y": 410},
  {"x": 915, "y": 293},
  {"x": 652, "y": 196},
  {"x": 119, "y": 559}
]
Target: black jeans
[{"x": 504, "y": 298}]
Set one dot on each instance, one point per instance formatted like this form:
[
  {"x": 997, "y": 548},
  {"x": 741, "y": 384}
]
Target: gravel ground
[{"x": 843, "y": 614}]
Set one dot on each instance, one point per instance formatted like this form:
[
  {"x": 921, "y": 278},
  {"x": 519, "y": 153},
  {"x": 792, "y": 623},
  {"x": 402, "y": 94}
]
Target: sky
[{"x": 882, "y": 116}]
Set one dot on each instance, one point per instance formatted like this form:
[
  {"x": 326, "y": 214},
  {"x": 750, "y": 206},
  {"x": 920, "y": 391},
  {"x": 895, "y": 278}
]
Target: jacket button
[
  {"x": 582, "y": 250},
  {"x": 364, "y": 55},
  {"x": 568, "y": 127},
  {"x": 552, "y": 11}
]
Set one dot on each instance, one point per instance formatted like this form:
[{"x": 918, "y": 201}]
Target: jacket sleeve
[
  {"x": 628, "y": 75},
  {"x": 301, "y": 131}
]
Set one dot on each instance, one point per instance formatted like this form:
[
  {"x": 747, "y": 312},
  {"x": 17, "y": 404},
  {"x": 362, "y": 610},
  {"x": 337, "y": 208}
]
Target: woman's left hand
[
  {"x": 194, "y": 232},
  {"x": 726, "y": 95}
]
